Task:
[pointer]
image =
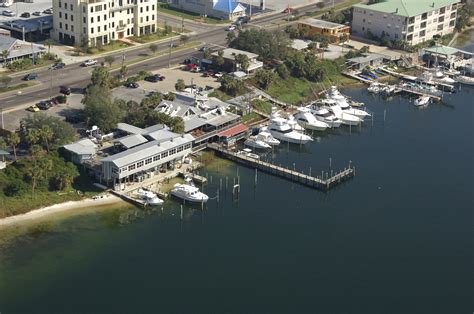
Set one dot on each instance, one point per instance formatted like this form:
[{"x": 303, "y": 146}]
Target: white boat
[
  {"x": 345, "y": 118},
  {"x": 149, "y": 197},
  {"x": 257, "y": 143},
  {"x": 248, "y": 152},
  {"x": 443, "y": 78},
  {"x": 294, "y": 124},
  {"x": 389, "y": 89},
  {"x": 341, "y": 100},
  {"x": 324, "y": 115},
  {"x": 281, "y": 130},
  {"x": 266, "y": 137},
  {"x": 189, "y": 192},
  {"x": 422, "y": 101},
  {"x": 463, "y": 79},
  {"x": 306, "y": 119},
  {"x": 375, "y": 87}
]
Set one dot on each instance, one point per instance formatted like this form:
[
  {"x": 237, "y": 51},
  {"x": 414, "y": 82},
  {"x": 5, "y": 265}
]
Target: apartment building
[
  {"x": 413, "y": 21},
  {"x": 94, "y": 22}
]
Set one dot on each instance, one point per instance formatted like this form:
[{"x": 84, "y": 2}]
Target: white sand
[{"x": 50, "y": 210}]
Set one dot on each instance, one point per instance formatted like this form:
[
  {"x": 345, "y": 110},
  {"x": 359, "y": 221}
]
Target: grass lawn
[
  {"x": 189, "y": 15},
  {"x": 15, "y": 87},
  {"x": 337, "y": 7},
  {"x": 115, "y": 45},
  {"x": 220, "y": 95},
  {"x": 263, "y": 106},
  {"x": 151, "y": 37},
  {"x": 251, "y": 117}
]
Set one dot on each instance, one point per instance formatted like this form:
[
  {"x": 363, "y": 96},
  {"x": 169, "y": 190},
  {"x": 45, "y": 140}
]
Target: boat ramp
[{"x": 324, "y": 183}]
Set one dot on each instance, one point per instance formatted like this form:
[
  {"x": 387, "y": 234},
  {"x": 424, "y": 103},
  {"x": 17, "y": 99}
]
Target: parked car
[
  {"x": 48, "y": 11},
  {"x": 154, "y": 78},
  {"x": 65, "y": 90},
  {"x": 36, "y": 13},
  {"x": 89, "y": 62},
  {"x": 59, "y": 65},
  {"x": 29, "y": 77},
  {"x": 218, "y": 75},
  {"x": 25, "y": 14},
  {"x": 288, "y": 10},
  {"x": 132, "y": 85},
  {"x": 8, "y": 13},
  {"x": 33, "y": 108},
  {"x": 43, "y": 105},
  {"x": 231, "y": 28}
]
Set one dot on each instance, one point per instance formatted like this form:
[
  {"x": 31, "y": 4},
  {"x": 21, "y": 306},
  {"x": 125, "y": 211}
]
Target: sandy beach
[{"x": 57, "y": 208}]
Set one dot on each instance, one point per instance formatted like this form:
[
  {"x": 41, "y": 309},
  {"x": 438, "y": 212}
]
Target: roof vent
[
  {"x": 396, "y": 10},
  {"x": 432, "y": 5}
]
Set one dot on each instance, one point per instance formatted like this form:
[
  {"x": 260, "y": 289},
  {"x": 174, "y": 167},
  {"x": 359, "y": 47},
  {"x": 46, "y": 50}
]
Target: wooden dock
[{"x": 324, "y": 183}]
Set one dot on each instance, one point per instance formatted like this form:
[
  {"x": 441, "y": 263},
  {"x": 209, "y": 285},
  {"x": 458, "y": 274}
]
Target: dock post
[
  {"x": 330, "y": 163},
  {"x": 211, "y": 179},
  {"x": 255, "y": 177},
  {"x": 220, "y": 184},
  {"x": 373, "y": 118},
  {"x": 226, "y": 180},
  {"x": 217, "y": 197},
  {"x": 384, "y": 115},
  {"x": 181, "y": 212},
  {"x": 350, "y": 128}
]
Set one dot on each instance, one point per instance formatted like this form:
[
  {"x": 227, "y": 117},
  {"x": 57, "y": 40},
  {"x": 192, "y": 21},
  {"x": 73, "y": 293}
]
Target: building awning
[{"x": 239, "y": 128}]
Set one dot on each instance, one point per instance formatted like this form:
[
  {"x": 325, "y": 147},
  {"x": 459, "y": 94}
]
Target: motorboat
[
  {"x": 422, "y": 101},
  {"x": 375, "y": 87},
  {"x": 336, "y": 110},
  {"x": 341, "y": 100},
  {"x": 439, "y": 76},
  {"x": 281, "y": 130},
  {"x": 149, "y": 197},
  {"x": 248, "y": 152},
  {"x": 294, "y": 124},
  {"x": 256, "y": 143},
  {"x": 267, "y": 137},
  {"x": 324, "y": 115},
  {"x": 464, "y": 79},
  {"x": 389, "y": 89},
  {"x": 189, "y": 192},
  {"x": 306, "y": 119}
]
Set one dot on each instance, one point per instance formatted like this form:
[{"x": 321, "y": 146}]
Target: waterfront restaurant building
[
  {"x": 336, "y": 32},
  {"x": 413, "y": 21},
  {"x": 144, "y": 159}
]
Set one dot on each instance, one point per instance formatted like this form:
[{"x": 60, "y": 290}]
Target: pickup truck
[{"x": 89, "y": 62}]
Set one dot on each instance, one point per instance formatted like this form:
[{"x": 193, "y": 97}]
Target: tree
[
  {"x": 65, "y": 177},
  {"x": 46, "y": 135},
  {"x": 231, "y": 85},
  {"x": 109, "y": 59},
  {"x": 5, "y": 79},
  {"x": 169, "y": 96},
  {"x": 63, "y": 132},
  {"x": 32, "y": 137},
  {"x": 230, "y": 37},
  {"x": 269, "y": 45},
  {"x": 100, "y": 110},
  {"x": 183, "y": 39},
  {"x": 123, "y": 71},
  {"x": 13, "y": 139},
  {"x": 49, "y": 43},
  {"x": 180, "y": 86},
  {"x": 320, "y": 5},
  {"x": 265, "y": 77},
  {"x": 220, "y": 58},
  {"x": 5, "y": 53},
  {"x": 207, "y": 53},
  {"x": 243, "y": 61},
  {"x": 100, "y": 77},
  {"x": 282, "y": 71},
  {"x": 153, "y": 48}
]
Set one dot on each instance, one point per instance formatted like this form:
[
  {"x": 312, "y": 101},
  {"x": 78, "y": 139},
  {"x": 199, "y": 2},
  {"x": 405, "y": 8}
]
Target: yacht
[
  {"x": 294, "y": 124},
  {"x": 422, "y": 101},
  {"x": 342, "y": 101},
  {"x": 463, "y": 79},
  {"x": 266, "y": 137},
  {"x": 149, "y": 197},
  {"x": 306, "y": 119},
  {"x": 281, "y": 130},
  {"x": 324, "y": 115},
  {"x": 257, "y": 143},
  {"x": 248, "y": 152},
  {"x": 344, "y": 117},
  {"x": 375, "y": 88},
  {"x": 189, "y": 192}
]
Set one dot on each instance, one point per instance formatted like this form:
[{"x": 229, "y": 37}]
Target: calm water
[{"x": 395, "y": 239}]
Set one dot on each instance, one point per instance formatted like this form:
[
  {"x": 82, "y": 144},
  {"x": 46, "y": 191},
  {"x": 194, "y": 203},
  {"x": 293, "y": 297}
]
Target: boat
[
  {"x": 294, "y": 124},
  {"x": 308, "y": 121},
  {"x": 464, "y": 79},
  {"x": 342, "y": 101},
  {"x": 389, "y": 89},
  {"x": 189, "y": 192},
  {"x": 248, "y": 152},
  {"x": 257, "y": 143},
  {"x": 149, "y": 197},
  {"x": 422, "y": 101},
  {"x": 281, "y": 130},
  {"x": 266, "y": 137},
  {"x": 344, "y": 117},
  {"x": 375, "y": 87},
  {"x": 324, "y": 115}
]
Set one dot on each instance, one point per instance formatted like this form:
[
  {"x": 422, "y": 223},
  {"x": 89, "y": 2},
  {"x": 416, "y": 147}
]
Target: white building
[
  {"x": 77, "y": 22},
  {"x": 222, "y": 9},
  {"x": 413, "y": 21}
]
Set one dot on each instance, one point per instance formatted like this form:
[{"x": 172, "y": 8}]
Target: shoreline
[{"x": 36, "y": 214}]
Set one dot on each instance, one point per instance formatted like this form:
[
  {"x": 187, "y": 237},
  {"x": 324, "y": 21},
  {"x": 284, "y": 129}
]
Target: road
[{"x": 76, "y": 76}]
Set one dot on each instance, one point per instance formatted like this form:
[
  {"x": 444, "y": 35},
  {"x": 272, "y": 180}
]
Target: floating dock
[{"x": 323, "y": 183}]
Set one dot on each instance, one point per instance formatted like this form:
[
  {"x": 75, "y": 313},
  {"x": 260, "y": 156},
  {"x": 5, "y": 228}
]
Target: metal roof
[
  {"x": 230, "y": 53},
  {"x": 442, "y": 50},
  {"x": 162, "y": 135},
  {"x": 146, "y": 150},
  {"x": 229, "y": 6},
  {"x": 192, "y": 123},
  {"x": 239, "y": 128},
  {"x": 321, "y": 23},
  {"x": 176, "y": 109},
  {"x": 407, "y": 8},
  {"x": 366, "y": 58},
  {"x": 82, "y": 147},
  {"x": 218, "y": 117},
  {"x": 129, "y": 128},
  {"x": 132, "y": 140}
]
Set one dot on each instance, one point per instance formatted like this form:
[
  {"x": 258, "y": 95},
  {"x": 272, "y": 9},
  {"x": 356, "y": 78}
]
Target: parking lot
[
  {"x": 165, "y": 86},
  {"x": 21, "y": 7}
]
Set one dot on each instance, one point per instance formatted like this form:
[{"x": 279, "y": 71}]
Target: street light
[{"x": 169, "y": 56}]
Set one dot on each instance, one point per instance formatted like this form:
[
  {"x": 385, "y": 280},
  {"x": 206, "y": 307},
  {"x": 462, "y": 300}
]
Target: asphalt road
[{"x": 76, "y": 76}]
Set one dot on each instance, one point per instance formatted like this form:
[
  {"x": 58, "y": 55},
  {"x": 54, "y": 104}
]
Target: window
[
  {"x": 153, "y": 7},
  {"x": 105, "y": 27},
  {"x": 72, "y": 17},
  {"x": 147, "y": 8},
  {"x": 441, "y": 19},
  {"x": 59, "y": 4},
  {"x": 188, "y": 146},
  {"x": 60, "y": 25},
  {"x": 65, "y": 26},
  {"x": 128, "y": 11},
  {"x": 148, "y": 161},
  {"x": 98, "y": 18},
  {"x": 452, "y": 22},
  {"x": 180, "y": 149},
  {"x": 71, "y": 7},
  {"x": 165, "y": 154},
  {"x": 140, "y": 164},
  {"x": 146, "y": 18},
  {"x": 128, "y": 21},
  {"x": 172, "y": 151},
  {"x": 440, "y": 27},
  {"x": 422, "y": 33},
  {"x": 105, "y": 17},
  {"x": 92, "y": 10},
  {"x": 83, "y": 9},
  {"x": 72, "y": 28},
  {"x": 84, "y": 20},
  {"x": 92, "y": 30},
  {"x": 153, "y": 17},
  {"x": 131, "y": 167},
  {"x": 92, "y": 20},
  {"x": 84, "y": 30},
  {"x": 113, "y": 14},
  {"x": 60, "y": 14},
  {"x": 115, "y": 170},
  {"x": 98, "y": 29},
  {"x": 156, "y": 158},
  {"x": 65, "y": 16},
  {"x": 113, "y": 25},
  {"x": 141, "y": 20},
  {"x": 423, "y": 25}
]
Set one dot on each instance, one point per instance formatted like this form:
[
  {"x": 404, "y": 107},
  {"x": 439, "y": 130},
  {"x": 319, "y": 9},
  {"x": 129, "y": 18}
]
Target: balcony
[{"x": 121, "y": 27}]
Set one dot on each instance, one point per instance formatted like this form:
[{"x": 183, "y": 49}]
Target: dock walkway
[{"x": 323, "y": 183}]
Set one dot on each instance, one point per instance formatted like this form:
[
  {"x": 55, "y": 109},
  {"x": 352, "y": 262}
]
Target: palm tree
[
  {"x": 5, "y": 53},
  {"x": 153, "y": 48},
  {"x": 46, "y": 134},
  {"x": 13, "y": 140},
  {"x": 32, "y": 137},
  {"x": 109, "y": 59},
  {"x": 49, "y": 43}
]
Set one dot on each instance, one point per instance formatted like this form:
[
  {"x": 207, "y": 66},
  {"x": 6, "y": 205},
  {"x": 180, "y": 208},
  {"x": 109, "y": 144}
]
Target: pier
[{"x": 323, "y": 183}]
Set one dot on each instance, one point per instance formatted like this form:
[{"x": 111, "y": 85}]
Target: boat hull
[{"x": 279, "y": 137}]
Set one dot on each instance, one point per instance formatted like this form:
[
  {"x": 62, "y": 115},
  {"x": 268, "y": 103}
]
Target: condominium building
[
  {"x": 95, "y": 22},
  {"x": 413, "y": 21}
]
